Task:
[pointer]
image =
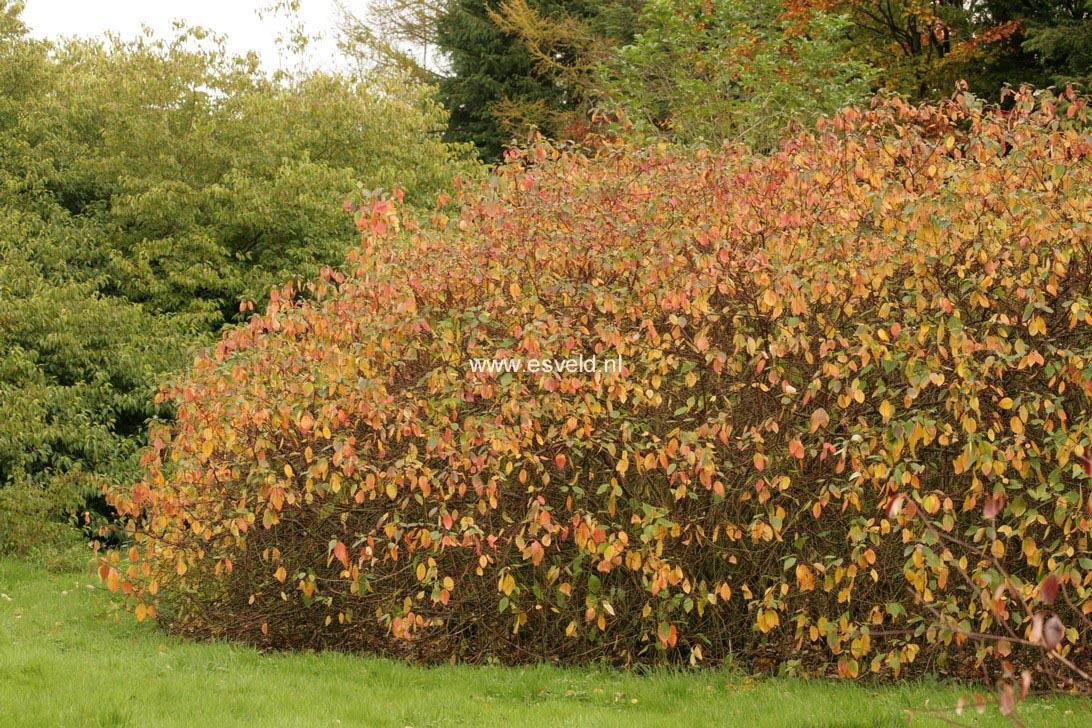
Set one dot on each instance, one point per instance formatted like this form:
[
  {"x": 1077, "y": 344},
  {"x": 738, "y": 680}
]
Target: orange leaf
[{"x": 341, "y": 554}]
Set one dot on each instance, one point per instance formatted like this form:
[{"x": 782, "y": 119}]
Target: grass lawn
[{"x": 65, "y": 662}]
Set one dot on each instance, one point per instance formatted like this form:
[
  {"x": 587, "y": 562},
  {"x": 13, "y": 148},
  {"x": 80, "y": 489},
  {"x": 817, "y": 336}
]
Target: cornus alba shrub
[{"x": 897, "y": 303}]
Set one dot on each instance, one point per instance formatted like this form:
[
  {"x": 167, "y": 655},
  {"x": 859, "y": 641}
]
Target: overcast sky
[{"x": 237, "y": 19}]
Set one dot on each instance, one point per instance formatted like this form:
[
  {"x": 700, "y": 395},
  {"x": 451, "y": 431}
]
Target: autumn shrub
[
  {"x": 897, "y": 302},
  {"x": 1022, "y": 646}
]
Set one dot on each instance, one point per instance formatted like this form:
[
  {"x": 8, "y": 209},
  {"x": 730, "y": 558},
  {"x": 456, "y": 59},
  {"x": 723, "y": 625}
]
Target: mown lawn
[{"x": 65, "y": 662}]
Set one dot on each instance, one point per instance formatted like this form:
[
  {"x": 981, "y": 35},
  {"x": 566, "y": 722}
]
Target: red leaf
[{"x": 993, "y": 506}]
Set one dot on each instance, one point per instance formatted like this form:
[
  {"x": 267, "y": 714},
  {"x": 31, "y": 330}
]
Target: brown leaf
[
  {"x": 1025, "y": 684},
  {"x": 1048, "y": 590},
  {"x": 1053, "y": 632}
]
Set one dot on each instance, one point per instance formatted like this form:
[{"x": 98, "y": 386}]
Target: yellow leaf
[
  {"x": 805, "y": 578},
  {"x": 767, "y": 620},
  {"x": 819, "y": 418},
  {"x": 886, "y": 410}
]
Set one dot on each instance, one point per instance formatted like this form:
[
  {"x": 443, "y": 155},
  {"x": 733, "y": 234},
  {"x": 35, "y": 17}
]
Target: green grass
[{"x": 65, "y": 662}]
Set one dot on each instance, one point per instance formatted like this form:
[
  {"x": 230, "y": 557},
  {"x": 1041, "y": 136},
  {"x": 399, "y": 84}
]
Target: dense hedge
[{"x": 897, "y": 302}]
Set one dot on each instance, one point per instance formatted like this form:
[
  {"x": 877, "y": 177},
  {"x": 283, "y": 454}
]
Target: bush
[{"x": 896, "y": 303}]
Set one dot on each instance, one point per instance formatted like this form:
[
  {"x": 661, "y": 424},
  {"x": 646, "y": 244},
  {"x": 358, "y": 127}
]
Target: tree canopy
[{"x": 148, "y": 188}]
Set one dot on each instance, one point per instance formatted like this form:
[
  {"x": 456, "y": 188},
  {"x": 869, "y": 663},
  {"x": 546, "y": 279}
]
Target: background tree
[
  {"x": 569, "y": 49},
  {"x": 921, "y": 44},
  {"x": 215, "y": 182},
  {"x": 502, "y": 67},
  {"x": 727, "y": 70},
  {"x": 398, "y": 35},
  {"x": 924, "y": 46},
  {"x": 1060, "y": 37},
  {"x": 147, "y": 188}
]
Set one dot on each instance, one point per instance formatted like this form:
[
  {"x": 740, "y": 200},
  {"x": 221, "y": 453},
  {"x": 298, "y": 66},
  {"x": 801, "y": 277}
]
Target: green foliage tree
[
  {"x": 148, "y": 188},
  {"x": 77, "y": 373},
  {"x": 732, "y": 71},
  {"x": 215, "y": 182}
]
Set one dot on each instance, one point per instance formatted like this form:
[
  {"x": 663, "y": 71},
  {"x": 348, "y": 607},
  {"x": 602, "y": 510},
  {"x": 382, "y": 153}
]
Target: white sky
[{"x": 237, "y": 19}]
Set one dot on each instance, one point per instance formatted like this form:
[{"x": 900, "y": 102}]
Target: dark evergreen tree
[
  {"x": 516, "y": 64},
  {"x": 1060, "y": 37}
]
